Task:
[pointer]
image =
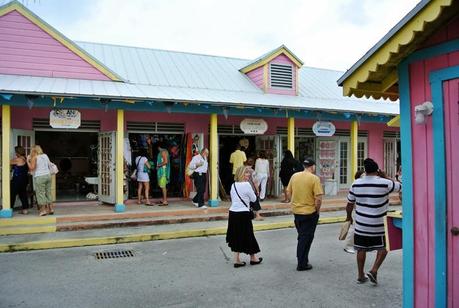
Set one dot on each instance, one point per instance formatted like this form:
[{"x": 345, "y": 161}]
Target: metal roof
[
  {"x": 121, "y": 90},
  {"x": 152, "y": 74}
]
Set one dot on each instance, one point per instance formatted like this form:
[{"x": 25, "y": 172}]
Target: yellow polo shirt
[
  {"x": 237, "y": 158},
  {"x": 304, "y": 187}
]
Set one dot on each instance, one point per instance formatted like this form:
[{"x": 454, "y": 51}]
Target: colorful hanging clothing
[{"x": 163, "y": 171}]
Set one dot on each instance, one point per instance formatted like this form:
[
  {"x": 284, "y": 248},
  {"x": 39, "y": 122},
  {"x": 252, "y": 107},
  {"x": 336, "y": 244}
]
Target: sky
[{"x": 330, "y": 34}]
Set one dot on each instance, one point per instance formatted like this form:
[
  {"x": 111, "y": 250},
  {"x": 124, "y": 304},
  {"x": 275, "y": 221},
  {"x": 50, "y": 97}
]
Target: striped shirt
[{"x": 370, "y": 194}]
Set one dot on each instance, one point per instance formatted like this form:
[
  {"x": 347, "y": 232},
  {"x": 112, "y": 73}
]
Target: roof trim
[
  {"x": 380, "y": 54},
  {"x": 21, "y": 9},
  {"x": 395, "y": 122},
  {"x": 270, "y": 56}
]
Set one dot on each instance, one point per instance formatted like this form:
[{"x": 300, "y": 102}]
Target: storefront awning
[{"x": 375, "y": 74}]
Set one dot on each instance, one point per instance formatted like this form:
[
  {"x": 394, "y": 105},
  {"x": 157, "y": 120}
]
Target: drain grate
[{"x": 114, "y": 254}]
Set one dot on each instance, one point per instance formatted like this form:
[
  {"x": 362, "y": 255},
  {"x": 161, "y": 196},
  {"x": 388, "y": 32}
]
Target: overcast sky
[{"x": 327, "y": 33}]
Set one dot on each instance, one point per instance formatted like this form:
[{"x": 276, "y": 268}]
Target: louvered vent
[
  {"x": 281, "y": 76},
  {"x": 305, "y": 132},
  {"x": 156, "y": 127},
  {"x": 299, "y": 131},
  {"x": 392, "y": 135},
  {"x": 85, "y": 124},
  {"x": 229, "y": 130}
]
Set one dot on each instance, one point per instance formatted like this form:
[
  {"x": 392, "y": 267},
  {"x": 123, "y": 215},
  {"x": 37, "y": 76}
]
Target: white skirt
[{"x": 142, "y": 177}]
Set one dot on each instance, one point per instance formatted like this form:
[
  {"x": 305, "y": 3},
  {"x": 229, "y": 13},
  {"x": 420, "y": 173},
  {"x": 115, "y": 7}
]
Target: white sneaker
[
  {"x": 203, "y": 207},
  {"x": 195, "y": 204},
  {"x": 349, "y": 250}
]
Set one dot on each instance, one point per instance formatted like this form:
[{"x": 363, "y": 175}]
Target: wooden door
[
  {"x": 106, "y": 167},
  {"x": 451, "y": 116},
  {"x": 390, "y": 156}
]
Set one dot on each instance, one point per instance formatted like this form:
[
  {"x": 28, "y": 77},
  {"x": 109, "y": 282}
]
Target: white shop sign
[
  {"x": 64, "y": 118},
  {"x": 254, "y": 126},
  {"x": 323, "y": 129}
]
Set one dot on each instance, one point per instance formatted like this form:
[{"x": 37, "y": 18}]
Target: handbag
[
  {"x": 134, "y": 173},
  {"x": 252, "y": 214},
  {"x": 189, "y": 171},
  {"x": 344, "y": 230},
  {"x": 53, "y": 170}
]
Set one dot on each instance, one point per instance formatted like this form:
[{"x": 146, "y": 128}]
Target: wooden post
[
  {"x": 119, "y": 163},
  {"x": 291, "y": 135},
  {"x": 6, "y": 212},
  {"x": 213, "y": 158},
  {"x": 354, "y": 142}
]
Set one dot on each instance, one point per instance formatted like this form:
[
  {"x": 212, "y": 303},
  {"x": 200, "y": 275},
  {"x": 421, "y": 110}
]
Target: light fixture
[
  {"x": 168, "y": 106},
  {"x": 421, "y": 111},
  {"x": 225, "y": 112},
  {"x": 105, "y": 102},
  {"x": 347, "y": 115},
  {"x": 30, "y": 100}
]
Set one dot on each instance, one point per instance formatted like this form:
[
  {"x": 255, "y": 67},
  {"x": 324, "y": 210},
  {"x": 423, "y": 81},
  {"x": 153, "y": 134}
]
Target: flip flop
[
  {"x": 362, "y": 280},
  {"x": 163, "y": 204},
  {"x": 236, "y": 265},
  {"x": 372, "y": 277}
]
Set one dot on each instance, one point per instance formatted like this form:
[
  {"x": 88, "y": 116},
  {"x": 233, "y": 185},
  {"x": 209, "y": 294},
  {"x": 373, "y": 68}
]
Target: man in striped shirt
[{"x": 370, "y": 195}]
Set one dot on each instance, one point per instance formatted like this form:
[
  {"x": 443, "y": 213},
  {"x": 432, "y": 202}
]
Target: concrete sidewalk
[{"x": 145, "y": 233}]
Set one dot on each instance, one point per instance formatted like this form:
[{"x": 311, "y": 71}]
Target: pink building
[
  {"x": 418, "y": 61},
  {"x": 94, "y": 106}
]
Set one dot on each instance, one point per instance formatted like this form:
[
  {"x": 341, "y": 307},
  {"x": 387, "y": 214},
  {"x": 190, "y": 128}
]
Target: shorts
[{"x": 369, "y": 243}]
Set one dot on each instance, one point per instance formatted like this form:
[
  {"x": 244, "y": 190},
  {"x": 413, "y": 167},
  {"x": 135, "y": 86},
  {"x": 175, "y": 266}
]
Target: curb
[{"x": 110, "y": 240}]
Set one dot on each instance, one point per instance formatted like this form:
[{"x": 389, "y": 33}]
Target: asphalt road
[{"x": 197, "y": 272}]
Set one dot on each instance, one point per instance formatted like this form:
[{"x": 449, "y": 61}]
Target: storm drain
[{"x": 114, "y": 254}]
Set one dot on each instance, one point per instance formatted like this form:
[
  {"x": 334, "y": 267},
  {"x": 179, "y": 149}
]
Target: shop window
[
  {"x": 343, "y": 161},
  {"x": 360, "y": 155}
]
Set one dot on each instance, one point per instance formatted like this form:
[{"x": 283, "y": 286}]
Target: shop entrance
[
  {"x": 227, "y": 145},
  {"x": 75, "y": 154},
  {"x": 175, "y": 145}
]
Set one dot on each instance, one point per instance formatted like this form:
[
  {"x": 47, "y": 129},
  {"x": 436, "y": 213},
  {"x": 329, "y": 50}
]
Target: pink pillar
[{"x": 376, "y": 144}]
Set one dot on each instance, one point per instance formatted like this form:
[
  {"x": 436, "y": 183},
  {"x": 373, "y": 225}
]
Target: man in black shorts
[{"x": 370, "y": 195}]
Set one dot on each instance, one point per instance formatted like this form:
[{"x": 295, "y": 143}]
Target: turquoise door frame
[
  {"x": 437, "y": 79},
  {"x": 406, "y": 141}
]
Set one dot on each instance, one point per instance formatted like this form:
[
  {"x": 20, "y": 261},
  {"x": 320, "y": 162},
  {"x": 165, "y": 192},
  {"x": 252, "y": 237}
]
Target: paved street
[{"x": 196, "y": 272}]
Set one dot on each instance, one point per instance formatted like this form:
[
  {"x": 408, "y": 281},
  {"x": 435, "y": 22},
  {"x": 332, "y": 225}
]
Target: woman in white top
[
  {"x": 143, "y": 179},
  {"x": 239, "y": 235},
  {"x": 38, "y": 163},
  {"x": 262, "y": 173}
]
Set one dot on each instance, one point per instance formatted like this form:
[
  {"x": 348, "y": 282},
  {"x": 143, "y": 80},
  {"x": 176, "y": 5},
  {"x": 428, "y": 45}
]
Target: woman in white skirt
[
  {"x": 239, "y": 235},
  {"x": 262, "y": 173},
  {"x": 143, "y": 178}
]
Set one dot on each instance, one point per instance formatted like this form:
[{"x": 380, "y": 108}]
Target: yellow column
[
  {"x": 6, "y": 212},
  {"x": 119, "y": 164},
  {"x": 213, "y": 159},
  {"x": 291, "y": 135},
  {"x": 354, "y": 142}
]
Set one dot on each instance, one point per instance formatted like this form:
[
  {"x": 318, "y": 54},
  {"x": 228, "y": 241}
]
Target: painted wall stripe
[{"x": 407, "y": 201}]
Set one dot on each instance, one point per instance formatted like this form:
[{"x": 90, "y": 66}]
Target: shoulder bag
[
  {"x": 134, "y": 173},
  {"x": 252, "y": 214}
]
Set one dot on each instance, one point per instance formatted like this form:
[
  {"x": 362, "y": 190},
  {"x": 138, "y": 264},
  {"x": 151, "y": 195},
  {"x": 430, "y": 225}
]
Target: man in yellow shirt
[
  {"x": 305, "y": 192},
  {"x": 237, "y": 158}
]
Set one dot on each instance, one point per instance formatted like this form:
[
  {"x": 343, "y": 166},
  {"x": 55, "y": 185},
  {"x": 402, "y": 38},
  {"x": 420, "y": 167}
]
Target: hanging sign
[
  {"x": 323, "y": 129},
  {"x": 254, "y": 126},
  {"x": 64, "y": 118}
]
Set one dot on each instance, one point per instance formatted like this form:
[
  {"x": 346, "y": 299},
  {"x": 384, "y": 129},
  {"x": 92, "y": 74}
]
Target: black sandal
[
  {"x": 256, "y": 262},
  {"x": 236, "y": 265}
]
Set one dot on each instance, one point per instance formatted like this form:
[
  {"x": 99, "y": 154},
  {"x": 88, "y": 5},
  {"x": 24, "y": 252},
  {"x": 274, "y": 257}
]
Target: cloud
[{"x": 328, "y": 33}]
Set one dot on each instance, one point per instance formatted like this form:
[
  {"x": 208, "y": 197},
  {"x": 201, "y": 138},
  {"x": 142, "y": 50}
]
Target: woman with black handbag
[{"x": 239, "y": 235}]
